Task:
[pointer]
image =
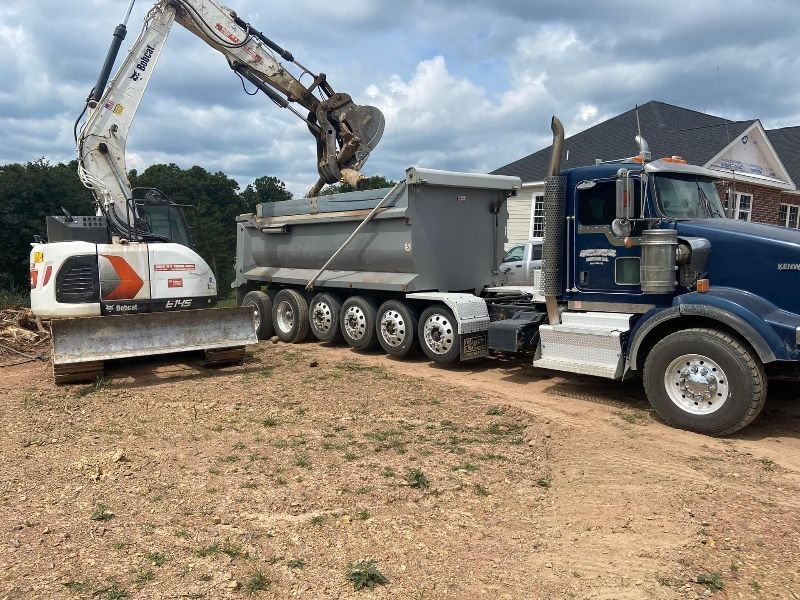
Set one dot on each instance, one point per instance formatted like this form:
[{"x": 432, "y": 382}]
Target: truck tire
[
  {"x": 290, "y": 316},
  {"x": 706, "y": 381},
  {"x": 324, "y": 313},
  {"x": 396, "y": 328},
  {"x": 262, "y": 313},
  {"x": 438, "y": 335},
  {"x": 358, "y": 318}
]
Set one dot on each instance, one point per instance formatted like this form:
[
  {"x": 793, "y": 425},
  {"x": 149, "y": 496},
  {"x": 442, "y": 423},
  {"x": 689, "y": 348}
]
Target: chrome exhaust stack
[{"x": 555, "y": 198}]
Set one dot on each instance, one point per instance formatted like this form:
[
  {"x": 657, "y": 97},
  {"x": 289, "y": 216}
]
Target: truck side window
[
  {"x": 598, "y": 205},
  {"x": 516, "y": 254},
  {"x": 536, "y": 252}
]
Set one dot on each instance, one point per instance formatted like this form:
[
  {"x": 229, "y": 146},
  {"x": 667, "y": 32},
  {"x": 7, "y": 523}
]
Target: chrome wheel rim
[
  {"x": 696, "y": 384},
  {"x": 322, "y": 317},
  {"x": 355, "y": 323},
  {"x": 256, "y": 315},
  {"x": 393, "y": 328},
  {"x": 285, "y": 314},
  {"x": 439, "y": 334}
]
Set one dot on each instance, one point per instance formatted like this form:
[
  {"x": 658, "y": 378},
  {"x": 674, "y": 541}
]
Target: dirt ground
[{"x": 491, "y": 479}]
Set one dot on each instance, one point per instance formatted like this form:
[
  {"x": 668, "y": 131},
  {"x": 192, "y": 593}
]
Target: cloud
[{"x": 465, "y": 85}]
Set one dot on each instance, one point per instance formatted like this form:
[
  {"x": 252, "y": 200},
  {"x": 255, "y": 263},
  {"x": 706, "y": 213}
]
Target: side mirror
[{"x": 626, "y": 192}]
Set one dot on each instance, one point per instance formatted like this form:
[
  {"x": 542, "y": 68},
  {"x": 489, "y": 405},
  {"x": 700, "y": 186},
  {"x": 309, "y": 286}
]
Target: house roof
[
  {"x": 786, "y": 142},
  {"x": 669, "y": 130}
]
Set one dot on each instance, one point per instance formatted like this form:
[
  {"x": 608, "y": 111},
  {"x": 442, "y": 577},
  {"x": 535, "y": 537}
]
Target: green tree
[
  {"x": 376, "y": 182},
  {"x": 265, "y": 189},
  {"x": 28, "y": 194}
]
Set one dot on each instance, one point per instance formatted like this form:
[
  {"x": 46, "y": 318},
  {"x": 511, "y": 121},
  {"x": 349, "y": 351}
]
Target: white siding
[{"x": 519, "y": 218}]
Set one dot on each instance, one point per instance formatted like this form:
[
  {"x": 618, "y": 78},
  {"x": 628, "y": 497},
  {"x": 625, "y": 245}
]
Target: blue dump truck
[{"x": 642, "y": 274}]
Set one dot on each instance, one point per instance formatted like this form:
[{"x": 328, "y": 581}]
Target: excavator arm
[{"x": 345, "y": 132}]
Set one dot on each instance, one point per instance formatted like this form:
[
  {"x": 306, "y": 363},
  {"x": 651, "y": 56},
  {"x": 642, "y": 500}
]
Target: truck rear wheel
[
  {"x": 438, "y": 335},
  {"x": 262, "y": 313},
  {"x": 396, "y": 328},
  {"x": 358, "y": 318},
  {"x": 290, "y": 316},
  {"x": 324, "y": 313},
  {"x": 706, "y": 381}
]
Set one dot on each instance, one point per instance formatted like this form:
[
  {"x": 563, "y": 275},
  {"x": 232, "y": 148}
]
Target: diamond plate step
[
  {"x": 577, "y": 367},
  {"x": 597, "y": 320}
]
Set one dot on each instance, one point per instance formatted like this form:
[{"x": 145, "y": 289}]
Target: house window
[
  {"x": 537, "y": 218},
  {"x": 789, "y": 216},
  {"x": 743, "y": 207}
]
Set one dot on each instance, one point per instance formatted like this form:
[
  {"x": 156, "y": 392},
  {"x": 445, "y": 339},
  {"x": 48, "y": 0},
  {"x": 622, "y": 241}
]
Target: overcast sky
[{"x": 465, "y": 84}]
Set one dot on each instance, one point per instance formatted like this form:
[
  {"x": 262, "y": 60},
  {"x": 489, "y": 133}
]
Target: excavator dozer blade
[{"x": 80, "y": 345}]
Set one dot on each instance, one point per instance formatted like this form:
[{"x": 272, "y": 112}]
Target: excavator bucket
[{"x": 80, "y": 345}]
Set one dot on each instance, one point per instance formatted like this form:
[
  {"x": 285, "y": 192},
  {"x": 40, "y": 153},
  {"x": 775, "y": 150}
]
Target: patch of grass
[
  {"x": 491, "y": 456},
  {"x": 365, "y": 574},
  {"x": 378, "y": 371},
  {"x": 362, "y": 490},
  {"x": 112, "y": 592},
  {"x": 713, "y": 581},
  {"x": 102, "y": 513},
  {"x": 767, "y": 464},
  {"x": 466, "y": 466},
  {"x": 258, "y": 582},
  {"x": 302, "y": 461},
  {"x": 232, "y": 458},
  {"x": 182, "y": 533},
  {"x": 145, "y": 576},
  {"x": 270, "y": 422},
  {"x": 416, "y": 478},
  {"x": 363, "y": 514},
  {"x": 99, "y": 384},
  {"x": 638, "y": 417},
  {"x": 755, "y": 585},
  {"x": 248, "y": 485},
  {"x": 296, "y": 563},
  {"x": 544, "y": 482},
  {"x": 318, "y": 520},
  {"x": 14, "y": 297},
  {"x": 76, "y": 586},
  {"x": 227, "y": 548},
  {"x": 495, "y": 411},
  {"x": 157, "y": 558},
  {"x": 388, "y": 472},
  {"x": 480, "y": 490},
  {"x": 280, "y": 481},
  {"x": 734, "y": 567},
  {"x": 265, "y": 373},
  {"x": 274, "y": 560},
  {"x": 239, "y": 446},
  {"x": 350, "y": 456}
]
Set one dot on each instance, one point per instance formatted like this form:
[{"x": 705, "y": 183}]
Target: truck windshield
[{"x": 685, "y": 196}]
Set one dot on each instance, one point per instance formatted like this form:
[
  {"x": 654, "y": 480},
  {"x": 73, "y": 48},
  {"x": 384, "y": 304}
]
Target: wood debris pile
[{"x": 21, "y": 337}]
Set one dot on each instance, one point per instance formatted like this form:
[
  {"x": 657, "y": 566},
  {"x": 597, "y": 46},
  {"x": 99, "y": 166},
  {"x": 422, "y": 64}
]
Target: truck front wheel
[
  {"x": 706, "y": 381},
  {"x": 290, "y": 316},
  {"x": 438, "y": 335}
]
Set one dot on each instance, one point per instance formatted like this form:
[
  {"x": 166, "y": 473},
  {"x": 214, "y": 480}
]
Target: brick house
[{"x": 761, "y": 167}]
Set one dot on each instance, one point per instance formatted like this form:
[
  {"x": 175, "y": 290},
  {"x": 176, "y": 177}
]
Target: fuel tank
[{"x": 439, "y": 231}]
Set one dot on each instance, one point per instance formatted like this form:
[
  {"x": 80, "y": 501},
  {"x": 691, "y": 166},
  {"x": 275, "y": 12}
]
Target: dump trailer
[{"x": 643, "y": 274}]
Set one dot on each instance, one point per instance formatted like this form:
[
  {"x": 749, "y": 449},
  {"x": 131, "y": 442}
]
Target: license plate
[{"x": 474, "y": 345}]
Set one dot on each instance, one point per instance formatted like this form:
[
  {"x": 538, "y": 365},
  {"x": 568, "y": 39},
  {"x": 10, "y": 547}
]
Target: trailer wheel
[
  {"x": 262, "y": 313},
  {"x": 438, "y": 335},
  {"x": 324, "y": 312},
  {"x": 706, "y": 381},
  {"x": 358, "y": 318},
  {"x": 290, "y": 316},
  {"x": 396, "y": 328}
]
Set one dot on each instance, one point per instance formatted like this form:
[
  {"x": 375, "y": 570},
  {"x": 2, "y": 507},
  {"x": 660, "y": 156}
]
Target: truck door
[{"x": 602, "y": 262}]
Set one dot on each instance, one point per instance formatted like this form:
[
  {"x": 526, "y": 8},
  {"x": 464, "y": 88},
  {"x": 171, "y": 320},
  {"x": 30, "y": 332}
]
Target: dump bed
[{"x": 440, "y": 231}]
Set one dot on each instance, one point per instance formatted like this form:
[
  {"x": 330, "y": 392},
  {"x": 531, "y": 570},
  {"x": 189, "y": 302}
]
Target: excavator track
[
  {"x": 224, "y": 357},
  {"x": 78, "y": 372}
]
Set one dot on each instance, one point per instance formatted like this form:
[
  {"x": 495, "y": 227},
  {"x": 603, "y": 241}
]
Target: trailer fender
[{"x": 761, "y": 337}]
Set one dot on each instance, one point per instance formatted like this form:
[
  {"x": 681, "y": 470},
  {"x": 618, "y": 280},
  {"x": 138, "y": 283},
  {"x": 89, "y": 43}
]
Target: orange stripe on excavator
[{"x": 130, "y": 282}]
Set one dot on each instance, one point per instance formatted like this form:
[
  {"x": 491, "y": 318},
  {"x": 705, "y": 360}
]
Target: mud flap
[{"x": 91, "y": 339}]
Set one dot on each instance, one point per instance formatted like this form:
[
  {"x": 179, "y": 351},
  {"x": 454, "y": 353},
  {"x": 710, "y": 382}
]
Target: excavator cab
[{"x": 163, "y": 218}]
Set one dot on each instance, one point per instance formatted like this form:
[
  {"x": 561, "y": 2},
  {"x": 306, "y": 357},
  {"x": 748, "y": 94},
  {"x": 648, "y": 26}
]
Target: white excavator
[{"x": 125, "y": 281}]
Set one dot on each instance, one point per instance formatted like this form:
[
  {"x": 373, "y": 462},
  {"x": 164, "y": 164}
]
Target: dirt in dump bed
[{"x": 311, "y": 470}]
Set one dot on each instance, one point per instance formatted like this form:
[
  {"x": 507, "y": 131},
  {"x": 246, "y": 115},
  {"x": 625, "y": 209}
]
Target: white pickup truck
[{"x": 520, "y": 263}]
